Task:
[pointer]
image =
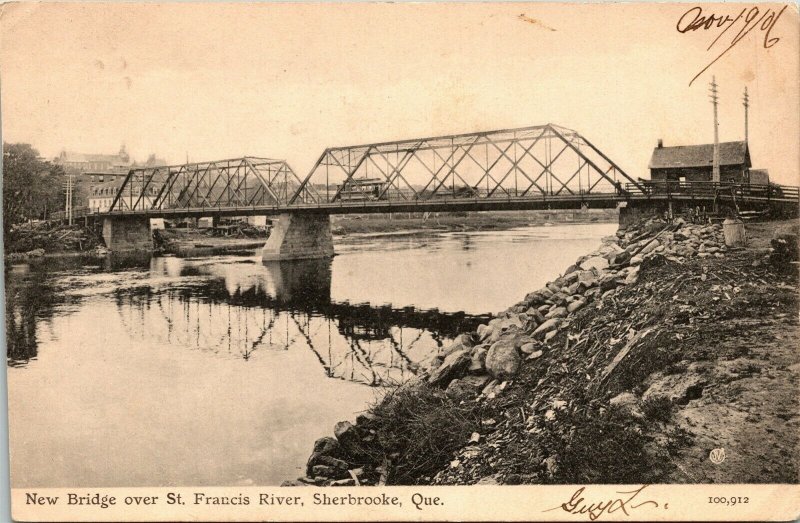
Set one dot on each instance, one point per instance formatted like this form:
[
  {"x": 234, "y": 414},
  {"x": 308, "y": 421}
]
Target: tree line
[{"x": 32, "y": 187}]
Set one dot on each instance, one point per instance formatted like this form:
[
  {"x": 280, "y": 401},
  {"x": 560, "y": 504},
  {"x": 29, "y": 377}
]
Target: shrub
[
  {"x": 657, "y": 408},
  {"x": 597, "y": 447},
  {"x": 419, "y": 428}
]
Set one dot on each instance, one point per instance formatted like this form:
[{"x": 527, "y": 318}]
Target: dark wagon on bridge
[{"x": 362, "y": 189}]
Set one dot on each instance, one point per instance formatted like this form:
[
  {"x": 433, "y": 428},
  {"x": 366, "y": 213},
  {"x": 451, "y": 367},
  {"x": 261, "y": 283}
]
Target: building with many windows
[{"x": 102, "y": 195}]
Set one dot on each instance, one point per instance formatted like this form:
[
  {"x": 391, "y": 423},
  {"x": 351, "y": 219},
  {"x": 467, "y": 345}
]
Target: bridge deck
[{"x": 783, "y": 196}]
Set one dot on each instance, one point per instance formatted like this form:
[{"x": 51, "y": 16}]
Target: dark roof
[{"x": 730, "y": 153}]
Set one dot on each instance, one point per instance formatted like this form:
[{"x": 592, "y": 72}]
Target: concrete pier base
[
  {"x": 299, "y": 237},
  {"x": 127, "y": 233},
  {"x": 633, "y": 213}
]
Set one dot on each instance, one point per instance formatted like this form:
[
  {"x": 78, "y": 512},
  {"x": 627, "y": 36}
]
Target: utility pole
[
  {"x": 715, "y": 176},
  {"x": 69, "y": 183},
  {"x": 746, "y": 103}
]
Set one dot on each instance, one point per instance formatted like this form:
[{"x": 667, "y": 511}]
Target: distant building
[
  {"x": 102, "y": 195},
  {"x": 694, "y": 163},
  {"x": 81, "y": 162},
  {"x": 92, "y": 170}
]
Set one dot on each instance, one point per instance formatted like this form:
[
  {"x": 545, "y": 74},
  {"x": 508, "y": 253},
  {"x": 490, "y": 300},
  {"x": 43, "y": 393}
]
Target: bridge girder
[
  {"x": 241, "y": 182},
  {"x": 545, "y": 159}
]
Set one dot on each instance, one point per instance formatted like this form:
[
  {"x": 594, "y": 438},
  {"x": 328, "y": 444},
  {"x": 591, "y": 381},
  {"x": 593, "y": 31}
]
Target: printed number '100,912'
[{"x": 728, "y": 501}]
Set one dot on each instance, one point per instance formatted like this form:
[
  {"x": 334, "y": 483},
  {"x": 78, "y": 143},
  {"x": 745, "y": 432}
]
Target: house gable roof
[{"x": 730, "y": 153}]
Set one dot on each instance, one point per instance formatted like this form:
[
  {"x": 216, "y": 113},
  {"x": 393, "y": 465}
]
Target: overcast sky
[{"x": 285, "y": 81}]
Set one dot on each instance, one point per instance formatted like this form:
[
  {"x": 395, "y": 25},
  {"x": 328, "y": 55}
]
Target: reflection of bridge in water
[{"x": 287, "y": 307}]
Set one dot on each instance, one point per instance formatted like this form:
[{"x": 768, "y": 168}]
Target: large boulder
[
  {"x": 454, "y": 366},
  {"x": 462, "y": 341},
  {"x": 556, "y": 312},
  {"x": 575, "y": 305},
  {"x": 346, "y": 433},
  {"x": 316, "y": 459},
  {"x": 546, "y": 327},
  {"x": 477, "y": 362},
  {"x": 327, "y": 446},
  {"x": 650, "y": 247},
  {"x": 595, "y": 262},
  {"x": 587, "y": 278},
  {"x": 466, "y": 387},
  {"x": 502, "y": 360},
  {"x": 621, "y": 258}
]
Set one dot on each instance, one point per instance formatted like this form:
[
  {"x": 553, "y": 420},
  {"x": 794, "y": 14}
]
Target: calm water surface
[{"x": 223, "y": 370}]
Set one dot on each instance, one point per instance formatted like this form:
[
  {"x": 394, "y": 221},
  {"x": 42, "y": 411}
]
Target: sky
[{"x": 213, "y": 81}]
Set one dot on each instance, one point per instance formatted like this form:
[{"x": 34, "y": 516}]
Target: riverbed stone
[
  {"x": 324, "y": 471},
  {"x": 556, "y": 312},
  {"x": 546, "y": 327},
  {"x": 477, "y": 362},
  {"x": 535, "y": 314},
  {"x": 468, "y": 386},
  {"x": 502, "y": 360},
  {"x": 346, "y": 433},
  {"x": 453, "y": 366},
  {"x": 327, "y": 446},
  {"x": 595, "y": 262},
  {"x": 649, "y": 247},
  {"x": 319, "y": 459},
  {"x": 575, "y": 305}
]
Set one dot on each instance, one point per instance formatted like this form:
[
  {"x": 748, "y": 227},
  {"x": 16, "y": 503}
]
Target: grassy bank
[{"x": 634, "y": 365}]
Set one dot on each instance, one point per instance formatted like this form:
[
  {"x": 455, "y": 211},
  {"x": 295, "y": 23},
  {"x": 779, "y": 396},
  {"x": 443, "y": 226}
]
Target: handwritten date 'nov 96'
[{"x": 748, "y": 19}]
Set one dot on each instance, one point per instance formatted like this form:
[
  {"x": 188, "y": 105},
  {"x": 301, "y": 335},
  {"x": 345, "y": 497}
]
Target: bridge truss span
[
  {"x": 529, "y": 162},
  {"x": 242, "y": 182}
]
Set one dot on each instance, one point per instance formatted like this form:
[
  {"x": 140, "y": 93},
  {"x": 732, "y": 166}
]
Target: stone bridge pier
[
  {"x": 127, "y": 233},
  {"x": 299, "y": 237},
  {"x": 634, "y": 212}
]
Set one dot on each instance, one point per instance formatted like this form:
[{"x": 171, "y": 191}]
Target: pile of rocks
[
  {"x": 480, "y": 365},
  {"x": 486, "y": 359},
  {"x": 346, "y": 459}
]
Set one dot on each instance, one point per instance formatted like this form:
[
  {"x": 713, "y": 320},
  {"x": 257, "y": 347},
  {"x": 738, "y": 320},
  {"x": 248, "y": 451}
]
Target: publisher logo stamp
[{"x": 717, "y": 456}]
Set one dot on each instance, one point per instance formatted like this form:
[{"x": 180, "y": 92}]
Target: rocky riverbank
[
  {"x": 631, "y": 367},
  {"x": 37, "y": 239}
]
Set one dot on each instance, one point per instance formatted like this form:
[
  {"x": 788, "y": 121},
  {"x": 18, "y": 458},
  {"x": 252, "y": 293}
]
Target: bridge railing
[
  {"x": 704, "y": 190},
  {"x": 78, "y": 212}
]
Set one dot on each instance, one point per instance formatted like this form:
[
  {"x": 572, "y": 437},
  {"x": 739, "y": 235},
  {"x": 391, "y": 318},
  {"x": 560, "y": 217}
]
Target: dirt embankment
[{"x": 632, "y": 367}]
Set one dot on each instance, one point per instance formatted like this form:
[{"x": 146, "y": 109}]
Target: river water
[{"x": 222, "y": 370}]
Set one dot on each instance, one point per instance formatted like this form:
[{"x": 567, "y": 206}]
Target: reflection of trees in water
[
  {"x": 285, "y": 306},
  {"x": 29, "y": 299},
  {"x": 31, "y": 296}
]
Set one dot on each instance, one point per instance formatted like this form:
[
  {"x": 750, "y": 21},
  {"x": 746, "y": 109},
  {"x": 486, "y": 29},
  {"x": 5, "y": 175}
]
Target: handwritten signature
[
  {"x": 748, "y": 19},
  {"x": 578, "y": 505}
]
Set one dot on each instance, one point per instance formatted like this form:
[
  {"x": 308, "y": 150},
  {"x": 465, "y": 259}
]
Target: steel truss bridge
[{"x": 539, "y": 167}]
